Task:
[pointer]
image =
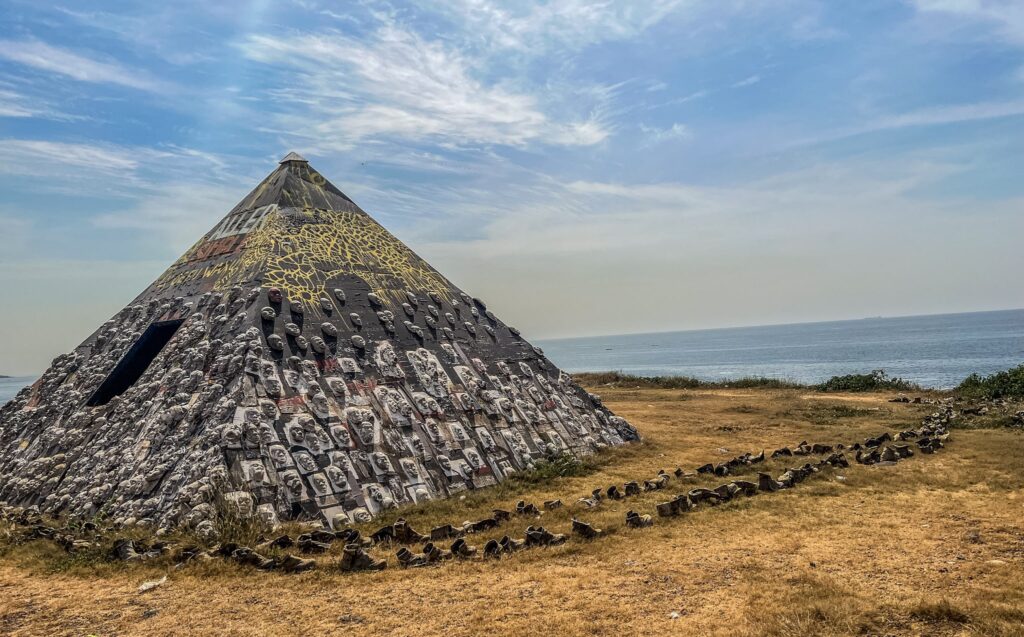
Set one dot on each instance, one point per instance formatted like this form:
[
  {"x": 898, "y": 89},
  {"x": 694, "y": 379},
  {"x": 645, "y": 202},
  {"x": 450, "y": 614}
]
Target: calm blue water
[
  {"x": 934, "y": 351},
  {"x": 11, "y": 386}
]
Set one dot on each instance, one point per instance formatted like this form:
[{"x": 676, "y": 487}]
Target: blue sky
[{"x": 584, "y": 167}]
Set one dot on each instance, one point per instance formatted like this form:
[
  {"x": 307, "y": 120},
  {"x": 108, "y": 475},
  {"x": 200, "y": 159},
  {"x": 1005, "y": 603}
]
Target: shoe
[
  {"x": 726, "y": 491},
  {"x": 492, "y": 549},
  {"x": 435, "y": 553},
  {"x": 509, "y": 545},
  {"x": 354, "y": 558},
  {"x": 745, "y": 487},
  {"x": 385, "y": 534},
  {"x": 696, "y": 496},
  {"x": 406, "y": 534},
  {"x": 767, "y": 483},
  {"x": 291, "y": 564},
  {"x": 585, "y": 530},
  {"x": 462, "y": 550},
  {"x": 636, "y": 521},
  {"x": 443, "y": 532},
  {"x": 408, "y": 559},
  {"x": 280, "y": 542},
  {"x": 307, "y": 544}
]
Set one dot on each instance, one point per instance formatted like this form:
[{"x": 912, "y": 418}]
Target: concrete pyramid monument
[{"x": 298, "y": 362}]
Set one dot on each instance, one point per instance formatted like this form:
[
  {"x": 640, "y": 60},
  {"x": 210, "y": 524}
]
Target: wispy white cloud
[
  {"x": 535, "y": 27},
  {"x": 33, "y": 157},
  {"x": 398, "y": 85},
  {"x": 179, "y": 212},
  {"x": 932, "y": 116},
  {"x": 1005, "y": 16},
  {"x": 44, "y": 57},
  {"x": 749, "y": 81},
  {"x": 166, "y": 30},
  {"x": 676, "y": 131},
  {"x": 15, "y": 104},
  {"x": 790, "y": 243}
]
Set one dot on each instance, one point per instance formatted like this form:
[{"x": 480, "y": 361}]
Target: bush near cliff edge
[{"x": 1008, "y": 384}]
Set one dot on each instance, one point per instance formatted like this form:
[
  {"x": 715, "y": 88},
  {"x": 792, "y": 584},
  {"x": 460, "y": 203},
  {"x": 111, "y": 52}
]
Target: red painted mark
[
  {"x": 328, "y": 365},
  {"x": 294, "y": 401}
]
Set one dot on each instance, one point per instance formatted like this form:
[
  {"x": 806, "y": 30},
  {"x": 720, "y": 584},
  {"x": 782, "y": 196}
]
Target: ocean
[{"x": 934, "y": 351}]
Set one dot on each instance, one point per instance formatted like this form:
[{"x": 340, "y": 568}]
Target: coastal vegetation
[
  {"x": 1001, "y": 385},
  {"x": 1007, "y": 384},
  {"x": 875, "y": 381}
]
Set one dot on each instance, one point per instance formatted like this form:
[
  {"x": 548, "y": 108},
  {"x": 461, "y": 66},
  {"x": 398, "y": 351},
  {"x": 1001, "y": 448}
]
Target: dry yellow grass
[{"x": 931, "y": 546}]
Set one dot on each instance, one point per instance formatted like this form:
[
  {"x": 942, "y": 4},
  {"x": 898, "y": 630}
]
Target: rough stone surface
[{"x": 316, "y": 369}]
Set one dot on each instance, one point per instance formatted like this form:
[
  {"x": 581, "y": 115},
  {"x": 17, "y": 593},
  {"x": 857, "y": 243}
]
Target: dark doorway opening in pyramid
[{"x": 136, "y": 361}]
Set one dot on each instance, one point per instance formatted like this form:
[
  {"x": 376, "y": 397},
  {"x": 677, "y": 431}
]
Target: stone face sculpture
[{"x": 226, "y": 401}]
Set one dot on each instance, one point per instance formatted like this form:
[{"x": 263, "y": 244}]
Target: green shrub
[
  {"x": 877, "y": 380},
  {"x": 558, "y": 466},
  {"x": 618, "y": 379},
  {"x": 1008, "y": 384}
]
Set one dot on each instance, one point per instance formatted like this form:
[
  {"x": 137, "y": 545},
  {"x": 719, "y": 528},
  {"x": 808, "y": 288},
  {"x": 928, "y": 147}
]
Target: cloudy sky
[{"x": 585, "y": 167}]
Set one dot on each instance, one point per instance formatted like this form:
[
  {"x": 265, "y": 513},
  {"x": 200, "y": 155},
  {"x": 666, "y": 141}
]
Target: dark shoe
[
  {"x": 354, "y": 558},
  {"x": 291, "y": 564},
  {"x": 585, "y": 530},
  {"x": 509, "y": 545},
  {"x": 636, "y": 521},
  {"x": 480, "y": 525},
  {"x": 726, "y": 491},
  {"x": 522, "y": 508},
  {"x": 406, "y": 534},
  {"x": 280, "y": 542},
  {"x": 307, "y": 544},
  {"x": 408, "y": 559},
  {"x": 492, "y": 549},
  {"x": 744, "y": 486},
  {"x": 697, "y": 496},
  {"x": 462, "y": 550},
  {"x": 443, "y": 532},
  {"x": 435, "y": 553},
  {"x": 385, "y": 534},
  {"x": 767, "y": 483}
]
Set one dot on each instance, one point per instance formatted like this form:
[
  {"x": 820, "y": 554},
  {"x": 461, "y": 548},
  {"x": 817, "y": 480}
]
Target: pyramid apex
[{"x": 293, "y": 156}]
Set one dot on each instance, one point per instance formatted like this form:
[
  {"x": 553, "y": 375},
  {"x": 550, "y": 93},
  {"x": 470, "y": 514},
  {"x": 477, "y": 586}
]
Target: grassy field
[{"x": 931, "y": 546}]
